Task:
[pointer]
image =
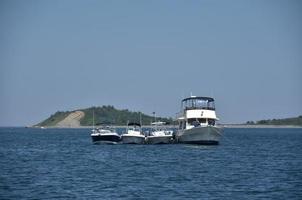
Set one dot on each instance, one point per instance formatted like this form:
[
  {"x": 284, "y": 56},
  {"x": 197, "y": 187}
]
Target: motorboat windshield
[
  {"x": 132, "y": 126},
  {"x": 191, "y": 103}
]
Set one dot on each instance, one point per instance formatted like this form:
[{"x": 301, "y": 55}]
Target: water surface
[{"x": 64, "y": 164}]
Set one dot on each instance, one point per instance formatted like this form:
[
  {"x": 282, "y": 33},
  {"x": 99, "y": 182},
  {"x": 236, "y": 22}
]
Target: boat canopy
[
  {"x": 158, "y": 123},
  {"x": 134, "y": 124},
  {"x": 206, "y": 103}
]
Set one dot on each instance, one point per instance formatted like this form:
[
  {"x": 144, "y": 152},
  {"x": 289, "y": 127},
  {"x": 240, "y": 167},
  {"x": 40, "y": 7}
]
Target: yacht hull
[
  {"x": 208, "y": 135},
  {"x": 159, "y": 139},
  {"x": 129, "y": 139},
  {"x": 106, "y": 139}
]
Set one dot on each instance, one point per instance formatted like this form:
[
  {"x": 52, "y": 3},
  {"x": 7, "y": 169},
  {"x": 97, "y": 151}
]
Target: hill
[
  {"x": 105, "y": 115},
  {"x": 294, "y": 121}
]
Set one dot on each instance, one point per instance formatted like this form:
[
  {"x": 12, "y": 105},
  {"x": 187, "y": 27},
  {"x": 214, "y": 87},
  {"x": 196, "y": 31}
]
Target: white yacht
[
  {"x": 105, "y": 136},
  {"x": 133, "y": 134},
  {"x": 159, "y": 135},
  {"x": 197, "y": 121}
]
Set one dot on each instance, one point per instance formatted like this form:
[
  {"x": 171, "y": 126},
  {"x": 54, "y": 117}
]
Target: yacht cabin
[{"x": 196, "y": 112}]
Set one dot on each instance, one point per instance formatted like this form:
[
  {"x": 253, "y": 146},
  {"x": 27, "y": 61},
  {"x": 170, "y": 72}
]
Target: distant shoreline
[
  {"x": 258, "y": 126},
  {"x": 166, "y": 126}
]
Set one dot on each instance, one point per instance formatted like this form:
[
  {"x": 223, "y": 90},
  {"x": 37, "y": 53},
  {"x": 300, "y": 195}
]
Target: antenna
[
  {"x": 93, "y": 119},
  {"x": 140, "y": 118},
  {"x": 154, "y": 116},
  {"x": 127, "y": 126}
]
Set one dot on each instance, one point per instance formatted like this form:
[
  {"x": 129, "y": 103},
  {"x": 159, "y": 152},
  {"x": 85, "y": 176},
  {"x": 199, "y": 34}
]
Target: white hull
[
  {"x": 105, "y": 138},
  {"x": 105, "y": 142},
  {"x": 200, "y": 135},
  {"x": 159, "y": 139},
  {"x": 133, "y": 139}
]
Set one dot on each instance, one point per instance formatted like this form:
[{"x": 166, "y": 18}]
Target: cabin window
[
  {"x": 198, "y": 103},
  {"x": 191, "y": 120},
  {"x": 202, "y": 120},
  {"x": 196, "y": 121}
]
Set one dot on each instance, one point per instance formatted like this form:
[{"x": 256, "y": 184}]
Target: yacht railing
[{"x": 198, "y": 108}]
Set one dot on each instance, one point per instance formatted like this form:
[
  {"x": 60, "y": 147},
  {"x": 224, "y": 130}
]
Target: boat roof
[
  {"x": 134, "y": 124},
  {"x": 158, "y": 123},
  {"x": 201, "y": 98}
]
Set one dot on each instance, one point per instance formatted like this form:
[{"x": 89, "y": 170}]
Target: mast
[
  {"x": 140, "y": 121},
  {"x": 154, "y": 116},
  {"x": 93, "y": 119},
  {"x": 155, "y": 124}
]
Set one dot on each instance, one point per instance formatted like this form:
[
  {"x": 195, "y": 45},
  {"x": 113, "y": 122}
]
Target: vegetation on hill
[
  {"x": 295, "y": 121},
  {"x": 110, "y": 115},
  {"x": 104, "y": 115},
  {"x": 54, "y": 119}
]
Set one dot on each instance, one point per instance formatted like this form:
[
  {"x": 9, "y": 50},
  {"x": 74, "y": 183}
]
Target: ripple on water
[{"x": 63, "y": 164}]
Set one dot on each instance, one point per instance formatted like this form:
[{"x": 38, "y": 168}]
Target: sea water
[{"x": 64, "y": 164}]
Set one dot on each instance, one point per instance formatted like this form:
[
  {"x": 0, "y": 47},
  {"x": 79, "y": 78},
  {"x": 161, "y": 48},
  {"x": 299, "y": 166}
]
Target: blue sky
[{"x": 148, "y": 55}]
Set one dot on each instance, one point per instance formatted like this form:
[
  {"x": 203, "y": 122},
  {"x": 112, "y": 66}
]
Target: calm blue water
[{"x": 64, "y": 164}]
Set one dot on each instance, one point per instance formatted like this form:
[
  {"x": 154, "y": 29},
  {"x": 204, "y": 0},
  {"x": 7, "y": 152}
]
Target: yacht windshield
[{"x": 198, "y": 103}]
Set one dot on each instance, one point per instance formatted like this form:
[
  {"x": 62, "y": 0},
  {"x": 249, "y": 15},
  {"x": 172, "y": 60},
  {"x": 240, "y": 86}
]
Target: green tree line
[
  {"x": 105, "y": 115},
  {"x": 295, "y": 121}
]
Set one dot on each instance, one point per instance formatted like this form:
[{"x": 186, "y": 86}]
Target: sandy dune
[{"x": 72, "y": 120}]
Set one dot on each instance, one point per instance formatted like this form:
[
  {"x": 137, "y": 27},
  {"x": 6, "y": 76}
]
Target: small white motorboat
[
  {"x": 159, "y": 135},
  {"x": 133, "y": 134},
  {"x": 105, "y": 136}
]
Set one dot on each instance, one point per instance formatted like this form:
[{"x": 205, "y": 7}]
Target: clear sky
[{"x": 147, "y": 55}]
